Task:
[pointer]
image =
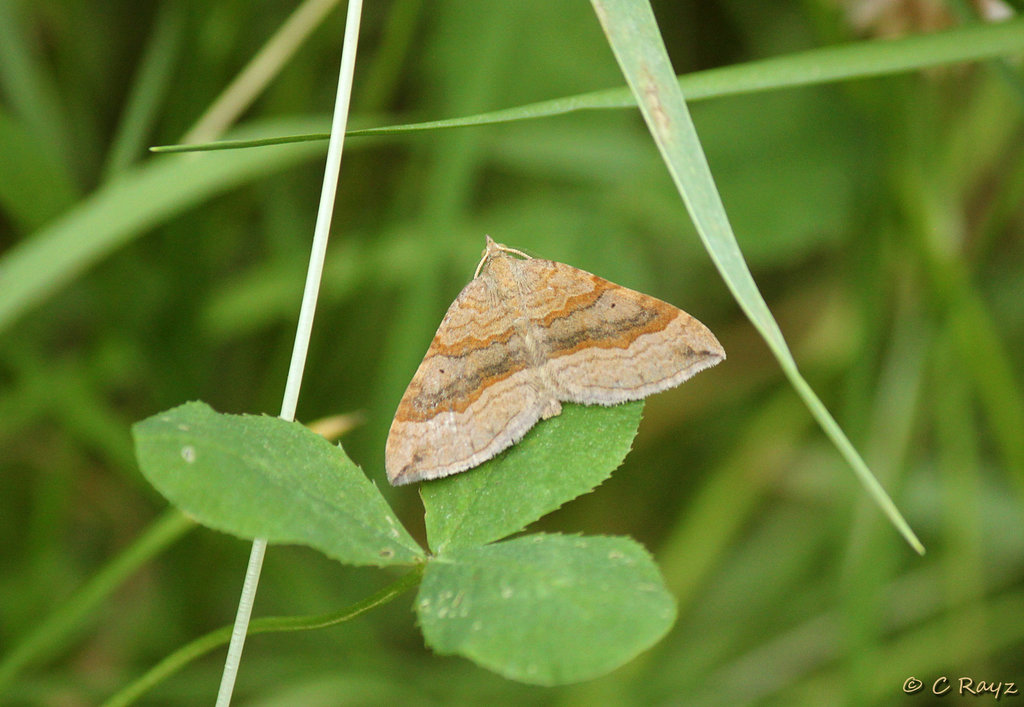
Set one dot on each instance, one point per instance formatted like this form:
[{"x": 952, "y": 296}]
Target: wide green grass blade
[
  {"x": 636, "y": 42},
  {"x": 126, "y": 207}
]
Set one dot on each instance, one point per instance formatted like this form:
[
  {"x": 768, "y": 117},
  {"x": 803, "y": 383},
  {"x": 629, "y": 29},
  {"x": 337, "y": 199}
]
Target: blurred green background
[{"x": 882, "y": 219}]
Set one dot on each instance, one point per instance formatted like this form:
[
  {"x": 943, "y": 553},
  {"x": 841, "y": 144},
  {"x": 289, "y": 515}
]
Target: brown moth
[{"x": 524, "y": 336}]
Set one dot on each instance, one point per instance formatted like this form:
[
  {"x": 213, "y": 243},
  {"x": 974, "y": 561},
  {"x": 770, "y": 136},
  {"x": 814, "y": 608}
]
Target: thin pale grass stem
[{"x": 304, "y": 328}]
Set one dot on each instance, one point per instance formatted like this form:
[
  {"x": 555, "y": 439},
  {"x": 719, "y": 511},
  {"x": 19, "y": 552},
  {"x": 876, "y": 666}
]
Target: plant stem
[
  {"x": 204, "y": 644},
  {"x": 304, "y": 328}
]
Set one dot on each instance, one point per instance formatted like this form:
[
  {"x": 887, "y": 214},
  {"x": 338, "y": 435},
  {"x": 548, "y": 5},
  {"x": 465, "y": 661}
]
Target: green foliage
[
  {"x": 636, "y": 41},
  {"x": 878, "y": 207},
  {"x": 262, "y": 477},
  {"x": 565, "y": 457},
  {"x": 122, "y": 211},
  {"x": 545, "y": 609}
]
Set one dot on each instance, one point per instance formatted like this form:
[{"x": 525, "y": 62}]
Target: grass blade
[
  {"x": 54, "y": 631},
  {"x": 122, "y": 210},
  {"x": 270, "y": 624},
  {"x": 156, "y": 72},
  {"x": 636, "y": 42},
  {"x": 813, "y": 67}
]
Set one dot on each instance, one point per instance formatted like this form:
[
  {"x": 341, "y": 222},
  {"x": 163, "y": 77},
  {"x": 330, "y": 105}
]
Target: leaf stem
[{"x": 271, "y": 624}]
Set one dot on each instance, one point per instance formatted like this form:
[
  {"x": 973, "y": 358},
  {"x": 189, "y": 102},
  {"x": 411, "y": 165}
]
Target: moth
[{"x": 524, "y": 336}]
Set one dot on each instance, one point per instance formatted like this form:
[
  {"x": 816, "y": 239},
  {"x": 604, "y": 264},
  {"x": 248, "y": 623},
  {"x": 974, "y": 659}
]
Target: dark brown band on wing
[
  {"x": 482, "y": 367},
  {"x": 608, "y": 317}
]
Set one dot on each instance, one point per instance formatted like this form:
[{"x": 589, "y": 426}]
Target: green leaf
[
  {"x": 261, "y": 477},
  {"x": 545, "y": 609},
  {"x": 633, "y": 35},
  {"x": 558, "y": 460}
]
